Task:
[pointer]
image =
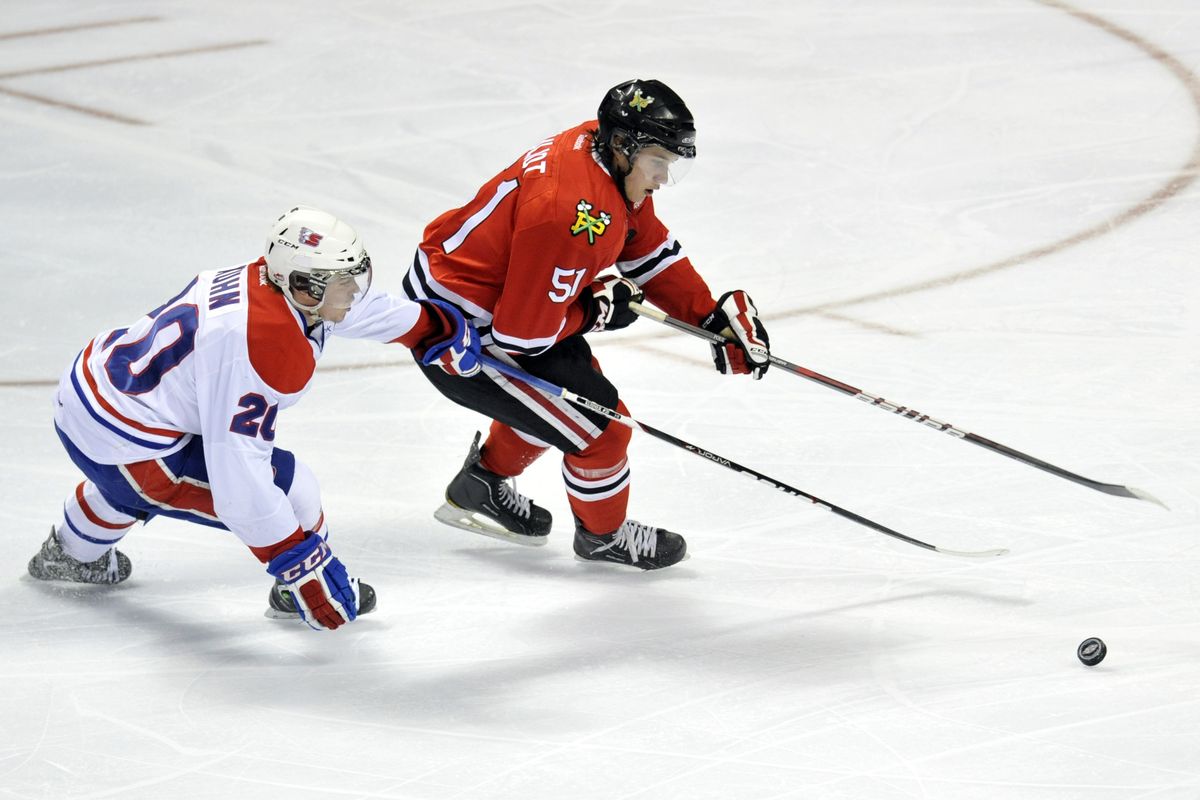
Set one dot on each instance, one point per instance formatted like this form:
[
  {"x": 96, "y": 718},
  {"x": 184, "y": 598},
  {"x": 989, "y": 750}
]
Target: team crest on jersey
[
  {"x": 310, "y": 237},
  {"x": 638, "y": 102},
  {"x": 586, "y": 223}
]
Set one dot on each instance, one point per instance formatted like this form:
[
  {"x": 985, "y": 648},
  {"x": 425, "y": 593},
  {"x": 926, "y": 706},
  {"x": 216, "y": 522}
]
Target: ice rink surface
[{"x": 984, "y": 210}]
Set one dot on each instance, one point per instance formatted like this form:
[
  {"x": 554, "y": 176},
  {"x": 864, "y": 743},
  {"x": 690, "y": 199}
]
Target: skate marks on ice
[
  {"x": 1182, "y": 179},
  {"x": 103, "y": 114}
]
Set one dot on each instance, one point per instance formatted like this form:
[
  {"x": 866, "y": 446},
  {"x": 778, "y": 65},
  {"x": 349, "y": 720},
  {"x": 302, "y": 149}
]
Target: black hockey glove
[
  {"x": 611, "y": 296},
  {"x": 749, "y": 351}
]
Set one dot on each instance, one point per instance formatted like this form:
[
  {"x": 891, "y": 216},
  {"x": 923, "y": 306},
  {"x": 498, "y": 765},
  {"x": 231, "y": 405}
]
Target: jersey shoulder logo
[
  {"x": 638, "y": 102},
  {"x": 586, "y": 223}
]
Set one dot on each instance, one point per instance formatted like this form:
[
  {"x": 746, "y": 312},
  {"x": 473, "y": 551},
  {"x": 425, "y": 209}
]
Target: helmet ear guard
[{"x": 624, "y": 142}]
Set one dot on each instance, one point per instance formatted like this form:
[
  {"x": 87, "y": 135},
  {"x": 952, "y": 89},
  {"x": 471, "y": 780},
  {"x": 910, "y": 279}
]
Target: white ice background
[{"x": 983, "y": 210}]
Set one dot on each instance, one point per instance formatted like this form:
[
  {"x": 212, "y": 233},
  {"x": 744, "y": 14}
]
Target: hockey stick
[
  {"x": 908, "y": 413},
  {"x": 591, "y": 405}
]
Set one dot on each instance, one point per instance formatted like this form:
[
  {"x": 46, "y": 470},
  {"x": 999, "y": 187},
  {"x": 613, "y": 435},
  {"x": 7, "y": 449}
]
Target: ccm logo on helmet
[{"x": 310, "y": 237}]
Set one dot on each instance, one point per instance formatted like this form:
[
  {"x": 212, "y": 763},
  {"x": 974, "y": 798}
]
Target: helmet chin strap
[{"x": 307, "y": 310}]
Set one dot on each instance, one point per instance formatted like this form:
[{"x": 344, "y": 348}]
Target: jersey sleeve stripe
[{"x": 643, "y": 269}]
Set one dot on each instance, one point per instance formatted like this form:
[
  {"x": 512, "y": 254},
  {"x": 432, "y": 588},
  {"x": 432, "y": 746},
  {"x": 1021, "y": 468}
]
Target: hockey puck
[{"x": 1092, "y": 651}]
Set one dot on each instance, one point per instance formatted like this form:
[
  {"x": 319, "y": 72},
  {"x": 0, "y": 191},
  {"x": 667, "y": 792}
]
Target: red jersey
[{"x": 516, "y": 258}]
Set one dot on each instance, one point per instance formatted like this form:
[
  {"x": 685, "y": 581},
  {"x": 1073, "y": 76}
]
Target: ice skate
[
  {"x": 52, "y": 563},
  {"x": 483, "y": 502},
  {"x": 632, "y": 544},
  {"x": 280, "y": 604}
]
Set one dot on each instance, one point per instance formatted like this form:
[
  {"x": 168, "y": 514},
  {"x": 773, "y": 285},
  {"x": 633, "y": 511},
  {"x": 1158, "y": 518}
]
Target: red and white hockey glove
[
  {"x": 325, "y": 595},
  {"x": 749, "y": 351},
  {"x": 611, "y": 296},
  {"x": 456, "y": 348}
]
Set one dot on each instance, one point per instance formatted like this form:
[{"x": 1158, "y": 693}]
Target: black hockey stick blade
[{"x": 1115, "y": 489}]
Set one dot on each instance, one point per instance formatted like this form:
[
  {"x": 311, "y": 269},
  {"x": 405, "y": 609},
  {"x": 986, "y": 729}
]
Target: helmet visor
[
  {"x": 341, "y": 288},
  {"x": 660, "y": 166}
]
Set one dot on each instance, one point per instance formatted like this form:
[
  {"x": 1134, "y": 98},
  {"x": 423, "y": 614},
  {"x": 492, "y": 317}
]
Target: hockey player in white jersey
[{"x": 175, "y": 415}]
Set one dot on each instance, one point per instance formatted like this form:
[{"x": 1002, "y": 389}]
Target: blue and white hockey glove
[
  {"x": 457, "y": 349},
  {"x": 749, "y": 351},
  {"x": 325, "y": 595},
  {"x": 611, "y": 296}
]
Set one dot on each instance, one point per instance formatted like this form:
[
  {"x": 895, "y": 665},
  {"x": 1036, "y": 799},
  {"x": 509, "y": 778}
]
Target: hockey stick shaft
[
  {"x": 591, "y": 405},
  {"x": 1115, "y": 489}
]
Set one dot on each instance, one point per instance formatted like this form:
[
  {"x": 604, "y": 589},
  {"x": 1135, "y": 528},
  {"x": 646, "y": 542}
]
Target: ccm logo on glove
[{"x": 310, "y": 563}]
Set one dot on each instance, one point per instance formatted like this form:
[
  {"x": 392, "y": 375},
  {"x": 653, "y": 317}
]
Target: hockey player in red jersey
[
  {"x": 527, "y": 261},
  {"x": 175, "y": 414}
]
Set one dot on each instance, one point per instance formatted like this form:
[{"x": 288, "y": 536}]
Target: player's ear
[{"x": 618, "y": 144}]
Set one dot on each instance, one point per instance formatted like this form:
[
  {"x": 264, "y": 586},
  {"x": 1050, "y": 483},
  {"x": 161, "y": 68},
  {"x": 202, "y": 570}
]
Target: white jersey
[{"x": 219, "y": 360}]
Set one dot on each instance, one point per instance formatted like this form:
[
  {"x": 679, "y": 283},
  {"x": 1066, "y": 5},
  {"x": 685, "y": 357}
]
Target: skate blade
[
  {"x": 275, "y": 613},
  {"x": 287, "y": 616},
  {"x": 457, "y": 517},
  {"x": 272, "y": 613},
  {"x": 622, "y": 565}
]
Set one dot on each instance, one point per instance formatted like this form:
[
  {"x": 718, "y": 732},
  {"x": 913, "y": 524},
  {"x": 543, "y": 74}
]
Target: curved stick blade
[
  {"x": 999, "y": 551},
  {"x": 1142, "y": 494}
]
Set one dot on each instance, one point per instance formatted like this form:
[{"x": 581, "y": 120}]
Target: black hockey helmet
[{"x": 647, "y": 112}]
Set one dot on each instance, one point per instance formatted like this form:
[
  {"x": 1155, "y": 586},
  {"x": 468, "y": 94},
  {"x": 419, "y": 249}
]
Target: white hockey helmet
[{"x": 312, "y": 251}]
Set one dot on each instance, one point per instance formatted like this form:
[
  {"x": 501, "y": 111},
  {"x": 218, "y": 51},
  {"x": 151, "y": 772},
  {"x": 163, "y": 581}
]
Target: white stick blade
[
  {"x": 1141, "y": 494},
  {"x": 1000, "y": 551}
]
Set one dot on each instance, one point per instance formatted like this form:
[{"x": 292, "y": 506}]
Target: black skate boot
[
  {"x": 483, "y": 502},
  {"x": 280, "y": 604},
  {"x": 633, "y": 544},
  {"x": 53, "y": 564}
]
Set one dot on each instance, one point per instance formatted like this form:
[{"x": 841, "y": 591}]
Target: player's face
[
  {"x": 338, "y": 290},
  {"x": 340, "y": 293},
  {"x": 341, "y": 289},
  {"x": 654, "y": 167}
]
